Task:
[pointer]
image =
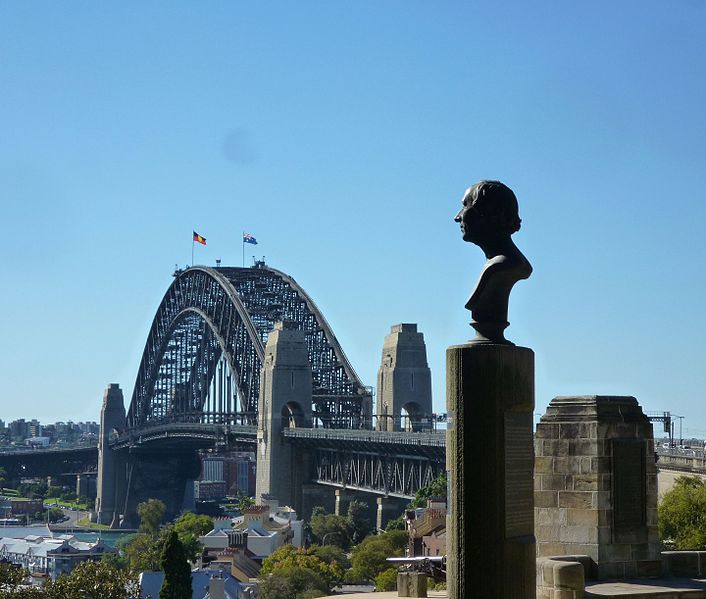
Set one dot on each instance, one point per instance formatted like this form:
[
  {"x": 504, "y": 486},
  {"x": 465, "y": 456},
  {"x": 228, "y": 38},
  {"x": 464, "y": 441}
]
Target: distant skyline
[{"x": 342, "y": 137}]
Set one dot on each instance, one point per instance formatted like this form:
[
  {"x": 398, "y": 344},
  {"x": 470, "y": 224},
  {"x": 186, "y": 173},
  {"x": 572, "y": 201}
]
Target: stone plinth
[
  {"x": 489, "y": 458},
  {"x": 411, "y": 584},
  {"x": 596, "y": 485}
]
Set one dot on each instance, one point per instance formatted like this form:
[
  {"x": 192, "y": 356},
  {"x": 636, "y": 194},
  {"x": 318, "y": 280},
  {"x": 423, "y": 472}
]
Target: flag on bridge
[
  {"x": 247, "y": 238},
  {"x": 199, "y": 239}
]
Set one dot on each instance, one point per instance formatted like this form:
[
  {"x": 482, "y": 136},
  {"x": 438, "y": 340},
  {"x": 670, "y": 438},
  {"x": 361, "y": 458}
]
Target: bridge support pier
[
  {"x": 285, "y": 401},
  {"x": 404, "y": 381},
  {"x": 343, "y": 500},
  {"x": 388, "y": 508},
  {"x": 314, "y": 495},
  {"x": 112, "y": 418}
]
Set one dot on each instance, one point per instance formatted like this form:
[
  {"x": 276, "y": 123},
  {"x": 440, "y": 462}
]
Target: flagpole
[
  {"x": 192, "y": 250},
  {"x": 243, "y": 242}
]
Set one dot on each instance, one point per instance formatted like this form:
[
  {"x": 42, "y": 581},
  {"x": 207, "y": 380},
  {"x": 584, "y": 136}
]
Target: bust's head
[{"x": 489, "y": 211}]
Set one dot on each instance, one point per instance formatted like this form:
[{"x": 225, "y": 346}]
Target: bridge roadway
[{"x": 382, "y": 463}]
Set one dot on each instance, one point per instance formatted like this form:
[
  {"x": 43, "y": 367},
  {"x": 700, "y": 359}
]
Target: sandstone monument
[{"x": 490, "y": 401}]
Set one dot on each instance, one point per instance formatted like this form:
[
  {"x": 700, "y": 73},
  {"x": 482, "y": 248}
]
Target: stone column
[
  {"x": 343, "y": 499},
  {"x": 489, "y": 458},
  {"x": 285, "y": 400},
  {"x": 388, "y": 508},
  {"x": 404, "y": 381},
  {"x": 596, "y": 485},
  {"x": 112, "y": 417}
]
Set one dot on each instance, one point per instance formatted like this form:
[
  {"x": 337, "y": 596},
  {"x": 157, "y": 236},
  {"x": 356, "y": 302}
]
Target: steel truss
[
  {"x": 384, "y": 474},
  {"x": 203, "y": 354}
]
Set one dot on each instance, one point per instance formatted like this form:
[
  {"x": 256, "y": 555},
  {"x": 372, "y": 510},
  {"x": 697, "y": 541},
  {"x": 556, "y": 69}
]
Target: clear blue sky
[{"x": 342, "y": 135}]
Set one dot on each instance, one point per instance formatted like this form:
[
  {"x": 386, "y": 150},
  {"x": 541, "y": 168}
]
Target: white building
[{"x": 51, "y": 556}]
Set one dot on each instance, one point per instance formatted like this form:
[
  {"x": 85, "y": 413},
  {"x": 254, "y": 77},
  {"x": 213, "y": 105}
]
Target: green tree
[
  {"x": 368, "y": 558},
  {"x": 292, "y": 582},
  {"x": 682, "y": 514},
  {"x": 143, "y": 552},
  {"x": 177, "y": 574},
  {"x": 330, "y": 529},
  {"x": 11, "y": 575},
  {"x": 436, "y": 488},
  {"x": 386, "y": 580},
  {"x": 54, "y": 514},
  {"x": 93, "y": 580},
  {"x": 244, "y": 501},
  {"x": 3, "y": 480},
  {"x": 190, "y": 527},
  {"x": 151, "y": 513},
  {"x": 358, "y": 521},
  {"x": 331, "y": 554},
  {"x": 396, "y": 524},
  {"x": 288, "y": 556}
]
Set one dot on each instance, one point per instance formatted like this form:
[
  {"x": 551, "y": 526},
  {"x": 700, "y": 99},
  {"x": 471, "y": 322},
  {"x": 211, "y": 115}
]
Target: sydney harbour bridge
[{"x": 199, "y": 383}]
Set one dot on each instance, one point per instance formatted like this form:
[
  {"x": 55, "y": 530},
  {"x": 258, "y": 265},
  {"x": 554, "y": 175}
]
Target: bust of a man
[{"x": 488, "y": 218}]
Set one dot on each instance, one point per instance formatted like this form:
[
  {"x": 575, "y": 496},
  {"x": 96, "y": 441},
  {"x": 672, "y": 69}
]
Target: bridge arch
[{"x": 204, "y": 351}]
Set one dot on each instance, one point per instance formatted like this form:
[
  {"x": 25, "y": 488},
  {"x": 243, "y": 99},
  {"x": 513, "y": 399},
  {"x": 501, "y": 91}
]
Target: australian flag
[{"x": 247, "y": 238}]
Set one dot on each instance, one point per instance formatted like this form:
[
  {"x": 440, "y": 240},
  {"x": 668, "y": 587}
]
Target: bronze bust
[{"x": 488, "y": 218}]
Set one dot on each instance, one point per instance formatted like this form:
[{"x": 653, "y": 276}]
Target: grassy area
[
  {"x": 67, "y": 504},
  {"x": 9, "y": 492},
  {"x": 86, "y": 523}
]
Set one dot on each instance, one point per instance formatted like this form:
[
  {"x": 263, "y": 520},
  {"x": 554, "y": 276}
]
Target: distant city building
[
  {"x": 37, "y": 441},
  {"x": 209, "y": 489},
  {"x": 235, "y": 470}
]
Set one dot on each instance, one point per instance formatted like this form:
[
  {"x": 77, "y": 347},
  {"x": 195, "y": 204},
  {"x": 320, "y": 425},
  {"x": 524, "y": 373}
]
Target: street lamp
[{"x": 323, "y": 539}]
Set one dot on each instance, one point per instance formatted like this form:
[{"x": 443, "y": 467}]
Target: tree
[
  {"x": 177, "y": 574},
  {"x": 329, "y": 575},
  {"x": 396, "y": 524},
  {"x": 189, "y": 527},
  {"x": 682, "y": 514},
  {"x": 244, "y": 501},
  {"x": 329, "y": 528},
  {"x": 93, "y": 580},
  {"x": 151, "y": 513},
  {"x": 436, "y": 488},
  {"x": 143, "y": 552},
  {"x": 291, "y": 582},
  {"x": 331, "y": 554},
  {"x": 358, "y": 522},
  {"x": 386, "y": 580},
  {"x": 369, "y": 558}
]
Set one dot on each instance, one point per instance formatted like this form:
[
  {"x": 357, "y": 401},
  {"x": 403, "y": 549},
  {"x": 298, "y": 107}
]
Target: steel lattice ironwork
[
  {"x": 384, "y": 474},
  {"x": 203, "y": 354}
]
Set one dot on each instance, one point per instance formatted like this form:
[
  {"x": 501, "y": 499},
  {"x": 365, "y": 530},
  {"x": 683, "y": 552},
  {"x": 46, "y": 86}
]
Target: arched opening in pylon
[{"x": 293, "y": 415}]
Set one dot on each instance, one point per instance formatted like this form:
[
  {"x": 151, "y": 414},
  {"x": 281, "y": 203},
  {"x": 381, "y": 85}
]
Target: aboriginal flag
[{"x": 199, "y": 239}]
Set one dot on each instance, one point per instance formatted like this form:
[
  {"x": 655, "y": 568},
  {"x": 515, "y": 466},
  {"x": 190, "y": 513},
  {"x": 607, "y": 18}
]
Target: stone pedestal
[
  {"x": 489, "y": 458},
  {"x": 596, "y": 485},
  {"x": 411, "y": 584}
]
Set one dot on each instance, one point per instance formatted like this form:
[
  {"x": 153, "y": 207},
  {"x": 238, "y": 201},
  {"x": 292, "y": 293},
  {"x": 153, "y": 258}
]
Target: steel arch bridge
[{"x": 204, "y": 351}]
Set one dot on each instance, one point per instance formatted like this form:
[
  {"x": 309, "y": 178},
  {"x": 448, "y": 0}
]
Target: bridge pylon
[
  {"x": 404, "y": 381},
  {"x": 109, "y": 485},
  {"x": 285, "y": 401}
]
